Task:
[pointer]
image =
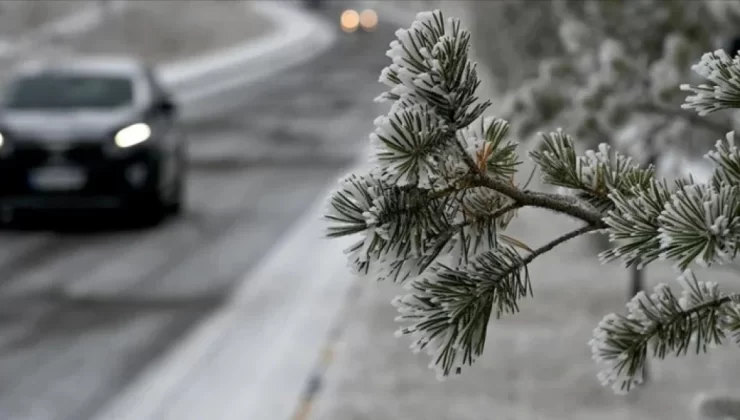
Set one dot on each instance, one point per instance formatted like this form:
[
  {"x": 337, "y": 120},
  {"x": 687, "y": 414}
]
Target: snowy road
[{"x": 82, "y": 312}]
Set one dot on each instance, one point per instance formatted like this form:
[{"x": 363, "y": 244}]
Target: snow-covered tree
[
  {"x": 615, "y": 78},
  {"x": 432, "y": 212},
  {"x": 510, "y": 37}
]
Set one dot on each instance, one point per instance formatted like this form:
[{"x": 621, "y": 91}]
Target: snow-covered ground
[
  {"x": 162, "y": 30},
  {"x": 156, "y": 30},
  {"x": 24, "y": 24},
  {"x": 17, "y": 17}
]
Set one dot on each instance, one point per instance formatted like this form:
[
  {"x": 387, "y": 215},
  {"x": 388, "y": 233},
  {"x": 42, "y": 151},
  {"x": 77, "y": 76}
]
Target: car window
[{"x": 69, "y": 91}]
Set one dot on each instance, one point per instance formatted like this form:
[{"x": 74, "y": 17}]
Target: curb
[
  {"x": 199, "y": 379},
  {"x": 297, "y": 37}
]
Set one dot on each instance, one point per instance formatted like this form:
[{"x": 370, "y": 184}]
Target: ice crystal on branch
[
  {"x": 700, "y": 224},
  {"x": 485, "y": 141},
  {"x": 404, "y": 141},
  {"x": 430, "y": 66},
  {"x": 591, "y": 176},
  {"x": 724, "y": 90},
  {"x": 449, "y": 309},
  {"x": 633, "y": 224},
  {"x": 397, "y": 224},
  {"x": 348, "y": 205},
  {"x": 726, "y": 158}
]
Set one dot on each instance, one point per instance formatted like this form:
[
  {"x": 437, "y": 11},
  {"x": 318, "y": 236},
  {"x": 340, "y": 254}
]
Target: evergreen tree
[
  {"x": 432, "y": 213},
  {"x": 615, "y": 77}
]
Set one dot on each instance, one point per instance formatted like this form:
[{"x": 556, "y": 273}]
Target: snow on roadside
[
  {"x": 159, "y": 32},
  {"x": 24, "y": 25},
  {"x": 18, "y": 18}
]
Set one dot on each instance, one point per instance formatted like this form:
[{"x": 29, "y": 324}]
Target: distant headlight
[
  {"x": 133, "y": 135},
  {"x": 2, "y": 140},
  {"x": 368, "y": 19},
  {"x": 349, "y": 20}
]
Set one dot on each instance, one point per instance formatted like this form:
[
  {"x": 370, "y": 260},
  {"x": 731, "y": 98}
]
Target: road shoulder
[{"x": 246, "y": 350}]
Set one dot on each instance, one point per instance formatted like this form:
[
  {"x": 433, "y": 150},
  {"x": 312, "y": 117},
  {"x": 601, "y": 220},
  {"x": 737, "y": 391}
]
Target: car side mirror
[{"x": 733, "y": 46}]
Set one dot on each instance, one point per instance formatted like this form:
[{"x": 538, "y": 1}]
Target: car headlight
[
  {"x": 133, "y": 135},
  {"x": 6, "y": 146}
]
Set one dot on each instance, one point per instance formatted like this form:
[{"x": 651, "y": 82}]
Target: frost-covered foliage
[
  {"x": 724, "y": 91},
  {"x": 432, "y": 213},
  {"x": 510, "y": 37},
  {"x": 617, "y": 77}
]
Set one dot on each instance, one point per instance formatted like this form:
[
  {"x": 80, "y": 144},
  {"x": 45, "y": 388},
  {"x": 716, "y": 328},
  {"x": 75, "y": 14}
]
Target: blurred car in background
[{"x": 90, "y": 133}]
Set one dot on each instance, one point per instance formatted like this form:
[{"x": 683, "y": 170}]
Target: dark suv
[{"x": 90, "y": 133}]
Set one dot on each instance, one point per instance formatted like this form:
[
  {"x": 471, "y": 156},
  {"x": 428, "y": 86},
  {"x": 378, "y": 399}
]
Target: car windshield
[{"x": 69, "y": 91}]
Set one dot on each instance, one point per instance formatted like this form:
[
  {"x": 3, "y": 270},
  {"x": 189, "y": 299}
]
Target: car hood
[{"x": 63, "y": 126}]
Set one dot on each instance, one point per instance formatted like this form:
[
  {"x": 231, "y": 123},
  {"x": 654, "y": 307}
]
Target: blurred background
[{"x": 244, "y": 114}]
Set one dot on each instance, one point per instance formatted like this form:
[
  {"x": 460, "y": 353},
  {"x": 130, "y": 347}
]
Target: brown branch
[
  {"x": 525, "y": 198},
  {"x": 548, "y": 247},
  {"x": 558, "y": 241},
  {"x": 554, "y": 202},
  {"x": 502, "y": 211}
]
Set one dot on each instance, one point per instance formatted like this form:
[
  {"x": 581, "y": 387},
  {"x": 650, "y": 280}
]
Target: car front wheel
[
  {"x": 176, "y": 202},
  {"x": 154, "y": 204}
]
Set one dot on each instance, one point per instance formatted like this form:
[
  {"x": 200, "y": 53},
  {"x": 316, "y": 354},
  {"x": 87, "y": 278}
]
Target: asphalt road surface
[{"x": 84, "y": 308}]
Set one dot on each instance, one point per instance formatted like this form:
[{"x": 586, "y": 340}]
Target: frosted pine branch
[
  {"x": 685, "y": 223},
  {"x": 592, "y": 176},
  {"x": 450, "y": 308},
  {"x": 726, "y": 159},
  {"x": 700, "y": 224},
  {"x": 634, "y": 225},
  {"x": 405, "y": 140},
  {"x": 661, "y": 324},
  {"x": 433, "y": 211}
]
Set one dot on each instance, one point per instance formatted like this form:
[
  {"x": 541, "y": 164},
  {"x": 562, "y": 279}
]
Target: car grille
[
  {"x": 29, "y": 154},
  {"x": 35, "y": 153},
  {"x": 85, "y": 153}
]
